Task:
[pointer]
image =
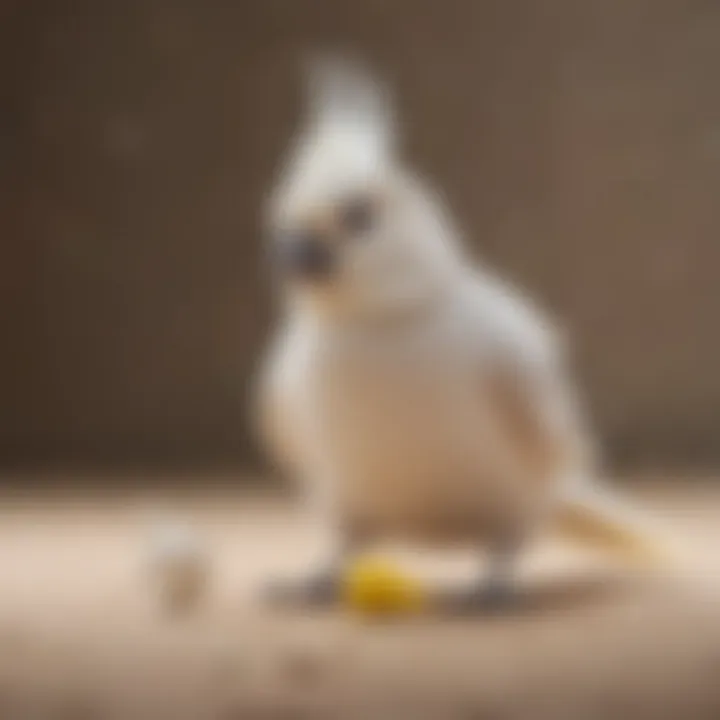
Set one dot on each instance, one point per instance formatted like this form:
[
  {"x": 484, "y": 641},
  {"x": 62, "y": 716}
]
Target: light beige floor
[{"x": 81, "y": 635}]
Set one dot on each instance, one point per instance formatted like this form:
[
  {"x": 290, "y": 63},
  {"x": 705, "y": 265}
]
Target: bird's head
[{"x": 352, "y": 230}]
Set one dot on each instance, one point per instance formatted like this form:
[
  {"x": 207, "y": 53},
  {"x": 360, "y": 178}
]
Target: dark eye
[{"x": 357, "y": 217}]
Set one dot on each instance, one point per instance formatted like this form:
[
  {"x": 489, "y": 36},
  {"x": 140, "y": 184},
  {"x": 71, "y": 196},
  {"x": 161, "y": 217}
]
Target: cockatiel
[{"x": 414, "y": 394}]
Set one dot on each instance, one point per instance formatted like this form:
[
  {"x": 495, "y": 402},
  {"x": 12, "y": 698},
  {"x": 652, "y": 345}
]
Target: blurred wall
[{"x": 577, "y": 141}]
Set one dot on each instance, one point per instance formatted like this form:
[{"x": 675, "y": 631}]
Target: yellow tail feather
[{"x": 602, "y": 524}]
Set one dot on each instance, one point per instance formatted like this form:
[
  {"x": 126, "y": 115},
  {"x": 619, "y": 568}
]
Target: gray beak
[{"x": 305, "y": 258}]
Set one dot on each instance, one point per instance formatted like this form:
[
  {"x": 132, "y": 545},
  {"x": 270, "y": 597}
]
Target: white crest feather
[
  {"x": 345, "y": 140},
  {"x": 342, "y": 93}
]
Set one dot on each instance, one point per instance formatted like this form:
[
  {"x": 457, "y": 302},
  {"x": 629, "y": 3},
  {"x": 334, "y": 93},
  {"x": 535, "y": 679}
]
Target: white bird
[{"x": 412, "y": 393}]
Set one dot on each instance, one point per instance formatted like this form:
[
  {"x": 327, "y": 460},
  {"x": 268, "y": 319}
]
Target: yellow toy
[{"x": 377, "y": 587}]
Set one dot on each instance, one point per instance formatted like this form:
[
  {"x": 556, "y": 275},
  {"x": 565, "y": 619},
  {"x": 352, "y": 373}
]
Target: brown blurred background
[{"x": 577, "y": 141}]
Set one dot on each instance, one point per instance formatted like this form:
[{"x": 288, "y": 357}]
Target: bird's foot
[
  {"x": 488, "y": 598},
  {"x": 321, "y": 589}
]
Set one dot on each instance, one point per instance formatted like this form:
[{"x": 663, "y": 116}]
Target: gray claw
[
  {"x": 316, "y": 590},
  {"x": 488, "y": 598}
]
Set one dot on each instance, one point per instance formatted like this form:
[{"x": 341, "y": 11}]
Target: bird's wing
[
  {"x": 278, "y": 406},
  {"x": 530, "y": 390}
]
